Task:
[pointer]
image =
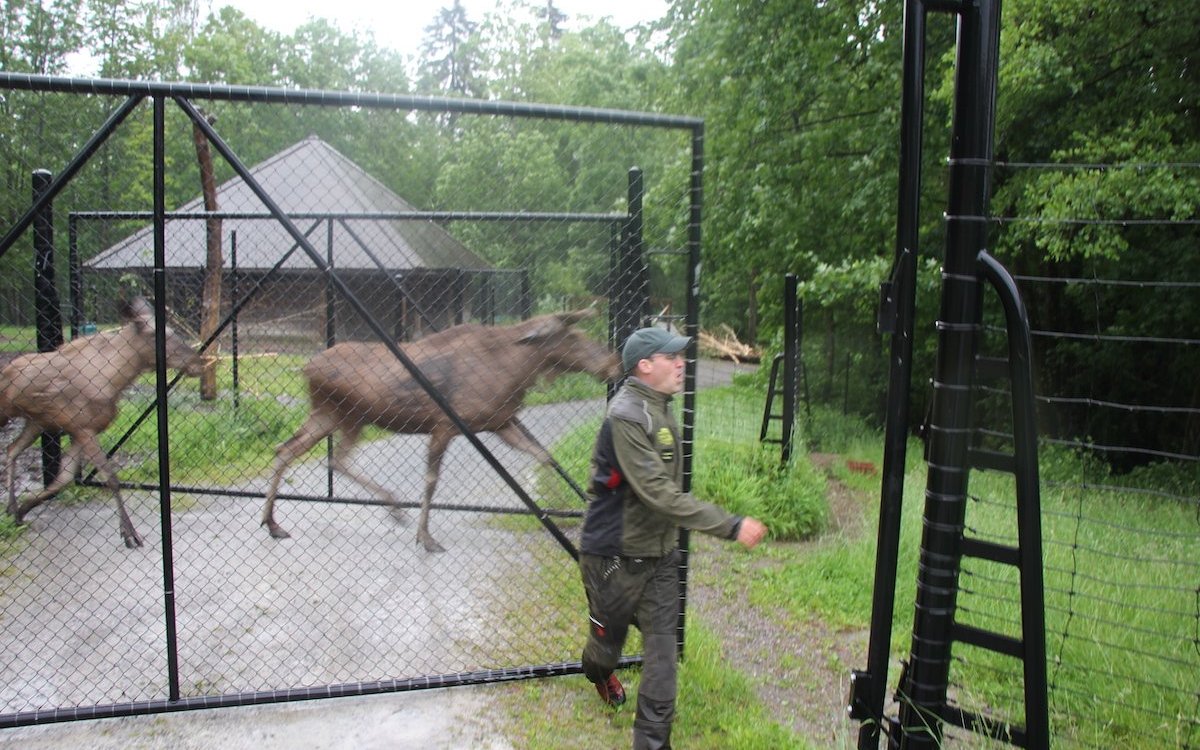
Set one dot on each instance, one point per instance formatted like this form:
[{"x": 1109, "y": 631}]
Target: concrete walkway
[
  {"x": 435, "y": 719},
  {"x": 440, "y": 719}
]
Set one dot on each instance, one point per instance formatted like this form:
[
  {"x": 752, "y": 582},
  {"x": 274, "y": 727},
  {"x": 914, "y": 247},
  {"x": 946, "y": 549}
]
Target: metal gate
[
  {"x": 924, "y": 704},
  {"x": 212, "y": 611}
]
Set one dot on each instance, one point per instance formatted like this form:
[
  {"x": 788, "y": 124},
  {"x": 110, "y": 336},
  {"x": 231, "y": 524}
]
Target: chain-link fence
[{"x": 369, "y": 276}]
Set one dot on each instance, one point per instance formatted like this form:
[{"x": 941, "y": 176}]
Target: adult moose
[
  {"x": 483, "y": 373},
  {"x": 75, "y": 389}
]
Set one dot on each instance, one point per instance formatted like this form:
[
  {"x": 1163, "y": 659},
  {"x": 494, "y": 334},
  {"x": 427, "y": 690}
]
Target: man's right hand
[{"x": 751, "y": 532}]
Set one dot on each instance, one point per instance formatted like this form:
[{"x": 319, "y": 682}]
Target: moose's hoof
[
  {"x": 276, "y": 530},
  {"x": 430, "y": 544},
  {"x": 132, "y": 541}
]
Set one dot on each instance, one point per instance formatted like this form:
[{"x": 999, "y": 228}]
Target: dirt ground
[{"x": 802, "y": 668}]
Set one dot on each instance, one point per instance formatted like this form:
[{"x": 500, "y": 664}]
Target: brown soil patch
[{"x": 801, "y": 668}]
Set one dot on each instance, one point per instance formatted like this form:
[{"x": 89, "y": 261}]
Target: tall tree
[
  {"x": 39, "y": 37},
  {"x": 450, "y": 55},
  {"x": 552, "y": 20},
  {"x": 210, "y": 297},
  {"x": 800, "y": 101}
]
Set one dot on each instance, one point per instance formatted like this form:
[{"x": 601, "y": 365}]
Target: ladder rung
[
  {"x": 992, "y": 368},
  {"x": 1003, "y": 644},
  {"x": 981, "y": 458},
  {"x": 991, "y": 551},
  {"x": 998, "y": 730}
]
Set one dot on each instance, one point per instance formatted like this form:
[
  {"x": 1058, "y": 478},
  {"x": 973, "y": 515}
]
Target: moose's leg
[
  {"x": 515, "y": 435},
  {"x": 318, "y": 425},
  {"x": 28, "y": 434},
  {"x": 66, "y": 472},
  {"x": 438, "y": 440},
  {"x": 341, "y": 463},
  {"x": 95, "y": 454}
]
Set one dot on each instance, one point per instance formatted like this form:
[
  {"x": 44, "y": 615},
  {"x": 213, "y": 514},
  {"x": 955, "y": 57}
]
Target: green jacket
[{"x": 636, "y": 504}]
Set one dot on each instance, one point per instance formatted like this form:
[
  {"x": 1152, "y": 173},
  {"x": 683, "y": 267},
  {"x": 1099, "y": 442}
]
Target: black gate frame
[
  {"x": 627, "y": 313},
  {"x": 924, "y": 708}
]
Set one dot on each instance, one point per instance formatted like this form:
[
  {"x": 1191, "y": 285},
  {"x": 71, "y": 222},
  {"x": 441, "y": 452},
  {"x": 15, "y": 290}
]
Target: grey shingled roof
[{"x": 309, "y": 177}]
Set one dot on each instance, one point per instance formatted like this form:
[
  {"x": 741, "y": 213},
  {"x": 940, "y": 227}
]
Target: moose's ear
[
  {"x": 571, "y": 318},
  {"x": 537, "y": 328},
  {"x": 548, "y": 325},
  {"x": 138, "y": 310}
]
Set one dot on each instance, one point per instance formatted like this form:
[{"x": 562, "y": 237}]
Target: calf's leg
[
  {"x": 28, "y": 434},
  {"x": 319, "y": 424},
  {"x": 438, "y": 440},
  {"x": 515, "y": 435},
  {"x": 341, "y": 462},
  {"x": 66, "y": 472},
  {"x": 92, "y": 451}
]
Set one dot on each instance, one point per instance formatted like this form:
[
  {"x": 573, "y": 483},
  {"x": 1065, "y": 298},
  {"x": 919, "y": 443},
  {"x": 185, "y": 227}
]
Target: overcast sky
[{"x": 400, "y": 24}]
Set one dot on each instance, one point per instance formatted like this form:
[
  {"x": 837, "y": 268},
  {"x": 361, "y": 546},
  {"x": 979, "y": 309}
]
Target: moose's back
[{"x": 480, "y": 370}]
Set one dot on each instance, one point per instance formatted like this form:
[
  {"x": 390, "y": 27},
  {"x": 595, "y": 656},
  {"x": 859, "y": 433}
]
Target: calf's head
[
  {"x": 180, "y": 355},
  {"x": 561, "y": 348}
]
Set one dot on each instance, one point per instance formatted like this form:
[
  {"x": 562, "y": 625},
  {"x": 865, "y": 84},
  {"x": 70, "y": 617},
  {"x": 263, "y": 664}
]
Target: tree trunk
[
  {"x": 752, "y": 309},
  {"x": 210, "y": 300}
]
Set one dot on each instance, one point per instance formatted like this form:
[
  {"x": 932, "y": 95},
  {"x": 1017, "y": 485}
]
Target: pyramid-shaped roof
[{"x": 310, "y": 177}]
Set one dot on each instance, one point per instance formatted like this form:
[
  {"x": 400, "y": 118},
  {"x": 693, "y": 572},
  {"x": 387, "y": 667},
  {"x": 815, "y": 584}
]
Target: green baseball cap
[{"x": 647, "y": 341}]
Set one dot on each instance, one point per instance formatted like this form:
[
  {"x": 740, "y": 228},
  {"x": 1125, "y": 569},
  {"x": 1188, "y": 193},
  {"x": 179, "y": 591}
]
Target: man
[{"x": 628, "y": 553}]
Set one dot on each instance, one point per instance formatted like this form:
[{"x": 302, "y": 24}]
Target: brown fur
[
  {"x": 75, "y": 389},
  {"x": 483, "y": 371}
]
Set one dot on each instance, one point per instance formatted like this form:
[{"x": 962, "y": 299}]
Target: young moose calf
[
  {"x": 75, "y": 389},
  {"x": 482, "y": 371}
]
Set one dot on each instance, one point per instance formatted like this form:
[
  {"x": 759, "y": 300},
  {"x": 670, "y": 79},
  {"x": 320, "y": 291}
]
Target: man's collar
[{"x": 639, "y": 385}]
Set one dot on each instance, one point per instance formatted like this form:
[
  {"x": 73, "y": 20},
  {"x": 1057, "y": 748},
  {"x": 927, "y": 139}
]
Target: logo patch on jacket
[{"x": 666, "y": 441}]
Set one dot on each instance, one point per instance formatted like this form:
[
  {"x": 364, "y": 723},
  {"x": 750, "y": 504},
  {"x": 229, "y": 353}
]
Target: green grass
[
  {"x": 1120, "y": 635},
  {"x": 17, "y": 338},
  {"x": 1120, "y": 582},
  {"x": 717, "y": 707}
]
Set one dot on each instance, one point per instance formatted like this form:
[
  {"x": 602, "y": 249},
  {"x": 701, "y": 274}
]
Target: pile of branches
[{"x": 725, "y": 345}]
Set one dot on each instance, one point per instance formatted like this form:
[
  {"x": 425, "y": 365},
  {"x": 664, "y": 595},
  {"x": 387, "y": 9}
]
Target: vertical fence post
[
  {"x": 47, "y": 311},
  {"x": 235, "y": 290},
  {"x": 923, "y": 692},
  {"x": 160, "y": 374},
  {"x": 74, "y": 276},
  {"x": 791, "y": 341},
  {"x": 629, "y": 283},
  {"x": 868, "y": 687},
  {"x": 330, "y": 340},
  {"x": 692, "y": 329}
]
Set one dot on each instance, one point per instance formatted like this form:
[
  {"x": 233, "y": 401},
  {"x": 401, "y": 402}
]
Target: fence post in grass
[{"x": 791, "y": 346}]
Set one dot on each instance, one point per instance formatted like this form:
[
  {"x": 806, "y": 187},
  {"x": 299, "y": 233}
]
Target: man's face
[{"x": 664, "y": 372}]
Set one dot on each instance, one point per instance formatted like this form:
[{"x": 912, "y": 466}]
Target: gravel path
[{"x": 257, "y": 613}]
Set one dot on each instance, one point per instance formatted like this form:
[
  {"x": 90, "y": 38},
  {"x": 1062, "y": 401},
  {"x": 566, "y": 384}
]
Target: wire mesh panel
[
  {"x": 1120, "y": 514},
  {"x": 391, "y": 302}
]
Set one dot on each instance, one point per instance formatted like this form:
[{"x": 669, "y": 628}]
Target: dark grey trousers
[{"x": 642, "y": 591}]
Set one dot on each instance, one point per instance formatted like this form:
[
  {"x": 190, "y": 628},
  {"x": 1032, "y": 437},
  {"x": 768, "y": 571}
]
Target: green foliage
[
  {"x": 747, "y": 479},
  {"x": 828, "y": 430}
]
